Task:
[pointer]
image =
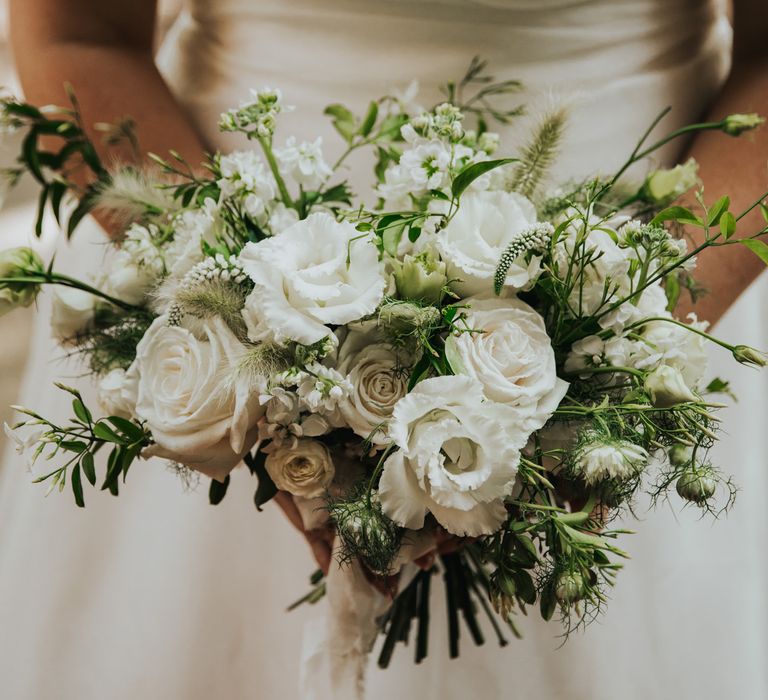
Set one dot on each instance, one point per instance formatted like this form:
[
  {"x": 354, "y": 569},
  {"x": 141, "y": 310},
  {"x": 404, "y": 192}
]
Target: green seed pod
[
  {"x": 570, "y": 587},
  {"x": 697, "y": 485}
]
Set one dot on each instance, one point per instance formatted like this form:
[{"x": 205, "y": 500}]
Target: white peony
[
  {"x": 310, "y": 276},
  {"x": 379, "y": 380},
  {"x": 199, "y": 413},
  {"x": 117, "y": 392},
  {"x": 511, "y": 357},
  {"x": 455, "y": 458},
  {"x": 72, "y": 311},
  {"x": 304, "y": 469},
  {"x": 476, "y": 237}
]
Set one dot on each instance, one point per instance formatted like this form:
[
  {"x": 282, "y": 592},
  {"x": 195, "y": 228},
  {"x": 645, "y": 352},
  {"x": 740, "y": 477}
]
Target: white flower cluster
[{"x": 259, "y": 114}]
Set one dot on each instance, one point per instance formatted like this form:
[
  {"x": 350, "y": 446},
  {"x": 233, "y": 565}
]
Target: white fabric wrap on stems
[{"x": 337, "y": 645}]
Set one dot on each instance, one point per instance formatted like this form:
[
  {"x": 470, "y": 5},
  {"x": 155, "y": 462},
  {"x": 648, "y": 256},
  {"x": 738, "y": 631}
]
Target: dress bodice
[{"x": 615, "y": 63}]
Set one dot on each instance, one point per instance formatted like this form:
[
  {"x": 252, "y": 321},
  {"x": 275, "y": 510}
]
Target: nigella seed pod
[
  {"x": 366, "y": 533},
  {"x": 570, "y": 587},
  {"x": 697, "y": 485}
]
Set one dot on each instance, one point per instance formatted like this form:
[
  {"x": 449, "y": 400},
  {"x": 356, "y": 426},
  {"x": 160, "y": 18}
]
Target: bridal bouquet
[{"x": 465, "y": 355}]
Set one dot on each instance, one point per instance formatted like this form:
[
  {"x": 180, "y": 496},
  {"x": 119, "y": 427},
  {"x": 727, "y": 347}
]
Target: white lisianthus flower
[
  {"x": 18, "y": 262},
  {"x": 199, "y": 413},
  {"x": 304, "y": 469},
  {"x": 125, "y": 280},
  {"x": 511, "y": 357},
  {"x": 72, "y": 311},
  {"x": 474, "y": 240},
  {"x": 316, "y": 273},
  {"x": 375, "y": 371},
  {"x": 117, "y": 392},
  {"x": 652, "y": 302},
  {"x": 593, "y": 351},
  {"x": 304, "y": 162},
  {"x": 667, "y": 388},
  {"x": 598, "y": 458},
  {"x": 667, "y": 184},
  {"x": 455, "y": 458}
]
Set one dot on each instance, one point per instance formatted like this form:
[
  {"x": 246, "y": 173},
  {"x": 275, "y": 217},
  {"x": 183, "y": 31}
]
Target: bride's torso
[{"x": 615, "y": 63}]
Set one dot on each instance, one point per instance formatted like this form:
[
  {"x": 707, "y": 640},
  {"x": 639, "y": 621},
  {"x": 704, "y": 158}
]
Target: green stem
[
  {"x": 266, "y": 146},
  {"x": 687, "y": 327}
]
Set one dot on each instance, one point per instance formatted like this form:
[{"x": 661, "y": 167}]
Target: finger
[
  {"x": 322, "y": 552},
  {"x": 285, "y": 501},
  {"x": 426, "y": 561}
]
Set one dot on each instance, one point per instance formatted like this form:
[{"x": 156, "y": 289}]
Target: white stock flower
[
  {"x": 512, "y": 358},
  {"x": 304, "y": 162},
  {"x": 598, "y": 459},
  {"x": 192, "y": 227},
  {"x": 281, "y": 218},
  {"x": 245, "y": 175},
  {"x": 378, "y": 380},
  {"x": 455, "y": 458},
  {"x": 200, "y": 412},
  {"x": 117, "y": 392},
  {"x": 310, "y": 276},
  {"x": 474, "y": 240},
  {"x": 26, "y": 446},
  {"x": 304, "y": 469},
  {"x": 141, "y": 245},
  {"x": 72, "y": 311}
]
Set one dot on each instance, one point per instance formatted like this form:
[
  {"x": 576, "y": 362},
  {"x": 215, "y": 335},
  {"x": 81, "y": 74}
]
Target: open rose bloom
[{"x": 467, "y": 365}]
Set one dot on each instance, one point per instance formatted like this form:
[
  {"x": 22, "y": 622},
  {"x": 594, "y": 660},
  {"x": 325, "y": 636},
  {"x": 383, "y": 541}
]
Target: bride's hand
[{"x": 320, "y": 540}]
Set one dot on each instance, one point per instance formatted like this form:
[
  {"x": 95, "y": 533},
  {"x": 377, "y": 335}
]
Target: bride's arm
[
  {"x": 736, "y": 166},
  {"x": 104, "y": 48}
]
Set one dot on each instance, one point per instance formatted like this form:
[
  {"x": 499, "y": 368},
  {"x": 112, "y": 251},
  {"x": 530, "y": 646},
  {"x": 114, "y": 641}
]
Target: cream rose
[
  {"x": 304, "y": 469},
  {"x": 316, "y": 273},
  {"x": 117, "y": 392},
  {"x": 199, "y": 412},
  {"x": 455, "y": 459},
  {"x": 476, "y": 237},
  {"x": 511, "y": 357},
  {"x": 378, "y": 381}
]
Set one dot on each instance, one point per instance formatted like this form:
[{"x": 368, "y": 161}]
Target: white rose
[
  {"x": 375, "y": 371},
  {"x": 512, "y": 358},
  {"x": 304, "y": 469},
  {"x": 311, "y": 275},
  {"x": 117, "y": 392},
  {"x": 476, "y": 237},
  {"x": 198, "y": 412},
  {"x": 72, "y": 311},
  {"x": 455, "y": 458}
]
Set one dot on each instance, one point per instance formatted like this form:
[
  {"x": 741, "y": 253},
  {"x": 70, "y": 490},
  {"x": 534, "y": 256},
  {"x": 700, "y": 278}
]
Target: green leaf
[
  {"x": 672, "y": 290},
  {"x": 758, "y": 248},
  {"x": 266, "y": 488},
  {"x": 369, "y": 119},
  {"x": 30, "y": 155},
  {"x": 343, "y": 121},
  {"x": 390, "y": 127},
  {"x": 473, "y": 171},
  {"x": 764, "y": 212},
  {"x": 41, "y": 202},
  {"x": 717, "y": 210},
  {"x": 218, "y": 490},
  {"x": 679, "y": 214},
  {"x": 76, "y": 446},
  {"x": 127, "y": 428},
  {"x": 727, "y": 224},
  {"x": 89, "y": 468},
  {"x": 77, "y": 486},
  {"x": 58, "y": 190},
  {"x": 81, "y": 411},
  {"x": 526, "y": 591},
  {"x": 548, "y": 602},
  {"x": 103, "y": 432}
]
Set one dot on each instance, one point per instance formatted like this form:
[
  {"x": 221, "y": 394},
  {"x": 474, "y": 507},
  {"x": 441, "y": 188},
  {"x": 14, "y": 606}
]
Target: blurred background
[{"x": 17, "y": 226}]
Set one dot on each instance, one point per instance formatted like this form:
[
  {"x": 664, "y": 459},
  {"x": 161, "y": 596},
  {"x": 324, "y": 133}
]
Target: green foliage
[{"x": 538, "y": 156}]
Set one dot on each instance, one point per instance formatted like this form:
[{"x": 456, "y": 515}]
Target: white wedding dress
[{"x": 158, "y": 595}]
